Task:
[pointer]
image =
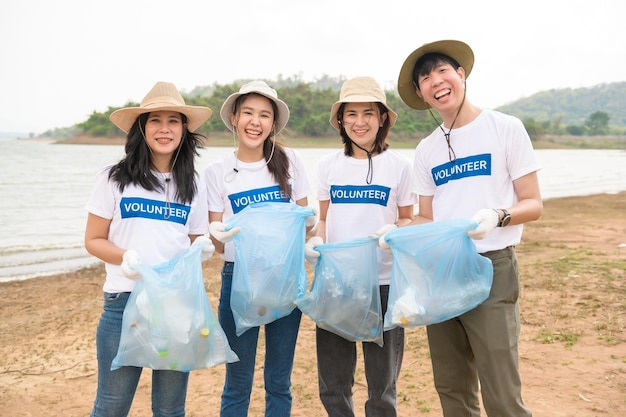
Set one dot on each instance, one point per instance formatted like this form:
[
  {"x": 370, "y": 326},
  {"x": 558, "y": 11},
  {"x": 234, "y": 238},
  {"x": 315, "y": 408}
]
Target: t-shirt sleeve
[
  {"x": 301, "y": 184},
  {"x": 212, "y": 181},
  {"x": 199, "y": 221},
  {"x": 102, "y": 199}
]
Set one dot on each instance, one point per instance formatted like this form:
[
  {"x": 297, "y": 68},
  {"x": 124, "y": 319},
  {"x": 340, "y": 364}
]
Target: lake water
[{"x": 44, "y": 188}]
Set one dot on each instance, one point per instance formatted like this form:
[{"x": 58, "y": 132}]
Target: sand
[{"x": 572, "y": 349}]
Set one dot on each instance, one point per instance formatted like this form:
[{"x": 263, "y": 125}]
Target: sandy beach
[{"x": 572, "y": 349}]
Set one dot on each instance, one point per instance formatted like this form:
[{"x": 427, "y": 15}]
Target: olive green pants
[{"x": 482, "y": 344}]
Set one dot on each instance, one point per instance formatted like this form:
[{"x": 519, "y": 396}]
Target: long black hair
[{"x": 136, "y": 167}]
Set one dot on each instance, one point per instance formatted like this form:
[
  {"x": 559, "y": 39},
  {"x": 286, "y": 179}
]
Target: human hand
[
  {"x": 487, "y": 220},
  {"x": 381, "y": 233},
  {"x": 311, "y": 220},
  {"x": 310, "y": 254},
  {"x": 207, "y": 246},
  {"x": 219, "y": 232},
  {"x": 130, "y": 258}
]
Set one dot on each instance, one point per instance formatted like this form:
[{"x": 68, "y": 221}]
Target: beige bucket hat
[
  {"x": 163, "y": 96},
  {"x": 458, "y": 50},
  {"x": 257, "y": 87},
  {"x": 361, "y": 90}
]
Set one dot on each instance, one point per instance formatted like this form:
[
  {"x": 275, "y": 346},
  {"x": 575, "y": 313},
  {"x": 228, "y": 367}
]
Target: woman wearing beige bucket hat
[
  {"x": 150, "y": 206},
  {"x": 364, "y": 167},
  {"x": 477, "y": 164},
  {"x": 260, "y": 169}
]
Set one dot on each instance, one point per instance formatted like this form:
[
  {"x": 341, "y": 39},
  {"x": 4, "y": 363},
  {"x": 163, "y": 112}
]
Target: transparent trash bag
[
  {"x": 436, "y": 273},
  {"x": 168, "y": 322},
  {"x": 269, "y": 272},
  {"x": 345, "y": 294}
]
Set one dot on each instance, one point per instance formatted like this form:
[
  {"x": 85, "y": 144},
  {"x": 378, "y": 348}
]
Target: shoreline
[
  {"x": 224, "y": 139},
  {"x": 99, "y": 264}
]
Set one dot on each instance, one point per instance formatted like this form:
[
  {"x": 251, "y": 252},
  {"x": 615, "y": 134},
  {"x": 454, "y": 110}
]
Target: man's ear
[{"x": 461, "y": 72}]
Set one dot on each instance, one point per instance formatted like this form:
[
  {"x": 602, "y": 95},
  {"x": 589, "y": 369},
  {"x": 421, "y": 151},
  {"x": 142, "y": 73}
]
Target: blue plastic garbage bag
[
  {"x": 345, "y": 295},
  {"x": 269, "y": 272},
  {"x": 436, "y": 273},
  {"x": 168, "y": 322}
]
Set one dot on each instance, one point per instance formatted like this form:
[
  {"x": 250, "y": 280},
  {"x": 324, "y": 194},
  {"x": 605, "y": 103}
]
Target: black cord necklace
[
  {"x": 370, "y": 166},
  {"x": 451, "y": 153}
]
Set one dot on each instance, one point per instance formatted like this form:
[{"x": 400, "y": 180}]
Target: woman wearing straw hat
[
  {"x": 478, "y": 163},
  {"x": 150, "y": 206},
  {"x": 363, "y": 119},
  {"x": 260, "y": 169}
]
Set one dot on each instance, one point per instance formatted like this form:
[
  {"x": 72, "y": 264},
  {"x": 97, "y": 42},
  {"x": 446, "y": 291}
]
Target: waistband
[{"x": 500, "y": 253}]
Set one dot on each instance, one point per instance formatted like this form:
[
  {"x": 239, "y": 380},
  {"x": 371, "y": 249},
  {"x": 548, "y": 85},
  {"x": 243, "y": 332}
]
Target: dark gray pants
[{"x": 336, "y": 364}]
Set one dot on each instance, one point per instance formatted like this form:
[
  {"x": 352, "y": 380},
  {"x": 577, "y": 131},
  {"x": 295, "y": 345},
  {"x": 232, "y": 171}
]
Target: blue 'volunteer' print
[
  {"x": 359, "y": 194},
  {"x": 471, "y": 166},
  {"x": 154, "y": 209},
  {"x": 240, "y": 201}
]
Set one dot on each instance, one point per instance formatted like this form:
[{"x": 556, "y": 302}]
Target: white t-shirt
[
  {"x": 358, "y": 209},
  {"x": 492, "y": 151},
  {"x": 138, "y": 221},
  {"x": 230, "y": 191}
]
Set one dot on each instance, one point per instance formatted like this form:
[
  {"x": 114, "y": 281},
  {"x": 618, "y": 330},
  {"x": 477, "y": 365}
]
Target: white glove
[
  {"x": 219, "y": 232},
  {"x": 207, "y": 247},
  {"x": 311, "y": 221},
  {"x": 130, "y": 258},
  {"x": 310, "y": 254},
  {"x": 487, "y": 220},
  {"x": 381, "y": 233}
]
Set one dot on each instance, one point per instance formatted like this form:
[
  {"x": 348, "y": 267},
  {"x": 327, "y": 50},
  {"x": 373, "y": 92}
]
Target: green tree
[{"x": 598, "y": 123}]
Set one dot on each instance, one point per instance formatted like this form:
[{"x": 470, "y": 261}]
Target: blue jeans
[
  {"x": 336, "y": 364},
  {"x": 280, "y": 346},
  {"x": 116, "y": 389}
]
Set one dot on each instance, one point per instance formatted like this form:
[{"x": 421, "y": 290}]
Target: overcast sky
[{"x": 61, "y": 60}]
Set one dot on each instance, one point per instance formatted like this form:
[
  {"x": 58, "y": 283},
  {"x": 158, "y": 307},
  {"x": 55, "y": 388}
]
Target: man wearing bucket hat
[
  {"x": 478, "y": 163},
  {"x": 260, "y": 169},
  {"x": 149, "y": 206},
  {"x": 364, "y": 165}
]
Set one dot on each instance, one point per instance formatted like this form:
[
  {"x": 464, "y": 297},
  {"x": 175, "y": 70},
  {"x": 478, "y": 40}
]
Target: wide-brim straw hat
[
  {"x": 361, "y": 90},
  {"x": 163, "y": 96},
  {"x": 458, "y": 50},
  {"x": 261, "y": 88}
]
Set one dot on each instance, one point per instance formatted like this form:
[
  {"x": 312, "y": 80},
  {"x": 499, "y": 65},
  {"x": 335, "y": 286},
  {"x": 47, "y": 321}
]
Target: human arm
[
  {"x": 310, "y": 253},
  {"x": 425, "y": 211},
  {"x": 405, "y": 215},
  {"x": 311, "y": 221},
  {"x": 321, "y": 223},
  {"x": 216, "y": 217},
  {"x": 529, "y": 206},
  {"x": 97, "y": 240}
]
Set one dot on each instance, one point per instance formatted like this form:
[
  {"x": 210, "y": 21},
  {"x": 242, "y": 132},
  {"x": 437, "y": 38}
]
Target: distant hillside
[
  {"x": 573, "y": 106},
  {"x": 579, "y": 112}
]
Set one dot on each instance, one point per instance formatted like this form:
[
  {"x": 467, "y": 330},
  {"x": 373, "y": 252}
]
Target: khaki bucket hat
[
  {"x": 257, "y": 87},
  {"x": 458, "y": 50},
  {"x": 361, "y": 90},
  {"x": 163, "y": 96}
]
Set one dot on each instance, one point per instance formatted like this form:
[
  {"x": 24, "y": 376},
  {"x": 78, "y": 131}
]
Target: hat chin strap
[{"x": 231, "y": 175}]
